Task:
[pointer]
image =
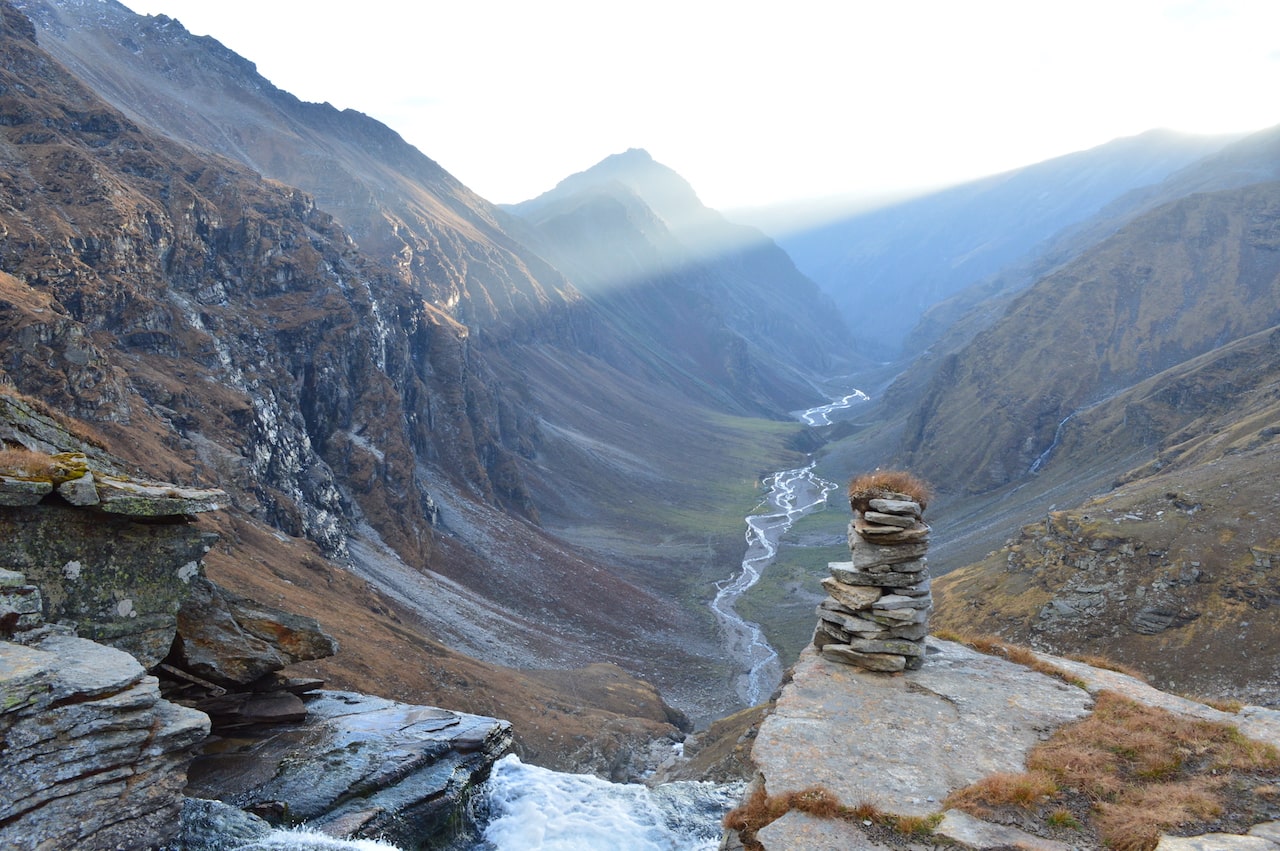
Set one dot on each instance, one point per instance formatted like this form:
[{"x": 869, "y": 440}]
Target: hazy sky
[{"x": 757, "y": 102}]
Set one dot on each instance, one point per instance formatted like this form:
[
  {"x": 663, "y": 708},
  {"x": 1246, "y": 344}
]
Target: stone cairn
[{"x": 876, "y": 616}]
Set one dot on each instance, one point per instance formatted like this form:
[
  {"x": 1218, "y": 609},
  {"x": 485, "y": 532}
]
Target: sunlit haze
[{"x": 754, "y": 102}]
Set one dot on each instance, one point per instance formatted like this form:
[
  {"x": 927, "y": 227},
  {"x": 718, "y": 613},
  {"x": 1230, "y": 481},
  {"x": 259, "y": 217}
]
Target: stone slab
[
  {"x": 797, "y": 831},
  {"x": 846, "y": 655},
  {"x": 895, "y": 506},
  {"x": 359, "y": 764},
  {"x": 844, "y": 571},
  {"x": 972, "y": 832},
  {"x": 904, "y": 741},
  {"x": 1267, "y": 830},
  {"x": 852, "y": 597},
  {"x": 19, "y": 492},
  {"x": 1256, "y": 722},
  {"x": 121, "y": 496},
  {"x": 866, "y": 554}
]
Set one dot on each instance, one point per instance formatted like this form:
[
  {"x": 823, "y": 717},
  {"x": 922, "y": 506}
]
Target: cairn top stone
[
  {"x": 897, "y": 504},
  {"x": 879, "y": 518}
]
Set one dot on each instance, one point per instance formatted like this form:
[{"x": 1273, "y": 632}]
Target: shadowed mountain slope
[
  {"x": 719, "y": 302},
  {"x": 886, "y": 267},
  {"x": 1175, "y": 283}
]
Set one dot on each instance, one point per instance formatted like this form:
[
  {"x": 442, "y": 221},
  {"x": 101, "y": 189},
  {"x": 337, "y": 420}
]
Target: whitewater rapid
[{"x": 534, "y": 809}]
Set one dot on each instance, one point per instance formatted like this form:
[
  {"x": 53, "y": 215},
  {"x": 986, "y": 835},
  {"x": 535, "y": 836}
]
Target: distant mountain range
[{"x": 886, "y": 267}]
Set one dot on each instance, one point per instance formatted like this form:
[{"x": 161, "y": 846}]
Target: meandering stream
[{"x": 791, "y": 495}]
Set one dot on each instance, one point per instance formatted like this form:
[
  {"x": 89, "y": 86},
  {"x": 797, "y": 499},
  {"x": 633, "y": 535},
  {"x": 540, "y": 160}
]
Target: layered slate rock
[
  {"x": 233, "y": 641},
  {"x": 876, "y": 614},
  {"x": 111, "y": 557},
  {"x": 358, "y": 766},
  {"x": 92, "y": 757}
]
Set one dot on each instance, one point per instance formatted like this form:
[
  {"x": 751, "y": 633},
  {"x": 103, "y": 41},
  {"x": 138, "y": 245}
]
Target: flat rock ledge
[
  {"x": 904, "y": 741},
  {"x": 358, "y": 766}
]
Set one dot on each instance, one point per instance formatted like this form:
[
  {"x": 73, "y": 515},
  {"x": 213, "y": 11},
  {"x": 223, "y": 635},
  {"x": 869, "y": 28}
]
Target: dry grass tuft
[
  {"x": 1107, "y": 664},
  {"x": 916, "y": 825},
  {"x": 26, "y": 464},
  {"x": 1025, "y": 790},
  {"x": 1147, "y": 769},
  {"x": 883, "y": 484},
  {"x": 1222, "y": 704},
  {"x": 762, "y": 809},
  {"x": 866, "y": 811},
  {"x": 1136, "y": 822}
]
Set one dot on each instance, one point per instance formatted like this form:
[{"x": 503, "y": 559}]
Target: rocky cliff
[
  {"x": 96, "y": 757},
  {"x": 93, "y": 756},
  {"x": 378, "y": 365}
]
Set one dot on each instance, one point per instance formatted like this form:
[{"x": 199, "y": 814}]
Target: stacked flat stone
[{"x": 877, "y": 613}]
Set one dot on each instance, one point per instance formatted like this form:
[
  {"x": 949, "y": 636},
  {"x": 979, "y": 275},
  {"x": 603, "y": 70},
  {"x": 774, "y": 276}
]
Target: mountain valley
[{"x": 503, "y": 454}]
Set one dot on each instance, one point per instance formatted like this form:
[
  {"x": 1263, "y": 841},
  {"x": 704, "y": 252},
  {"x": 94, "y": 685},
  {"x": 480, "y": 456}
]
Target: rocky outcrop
[
  {"x": 359, "y": 766},
  {"x": 232, "y": 641},
  {"x": 92, "y": 757},
  {"x": 904, "y": 742},
  {"x": 111, "y": 556}
]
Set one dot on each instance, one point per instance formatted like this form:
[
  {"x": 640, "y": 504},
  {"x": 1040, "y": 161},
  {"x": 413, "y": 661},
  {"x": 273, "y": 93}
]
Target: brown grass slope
[
  {"x": 1173, "y": 284},
  {"x": 1173, "y": 571}
]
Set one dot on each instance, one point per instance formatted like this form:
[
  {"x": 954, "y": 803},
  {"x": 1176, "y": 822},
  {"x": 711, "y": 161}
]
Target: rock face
[
  {"x": 117, "y": 569},
  {"x": 233, "y": 641},
  {"x": 877, "y": 613},
  {"x": 120, "y": 582},
  {"x": 93, "y": 758},
  {"x": 359, "y": 766}
]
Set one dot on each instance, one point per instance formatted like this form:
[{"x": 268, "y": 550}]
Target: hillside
[
  {"x": 1172, "y": 285},
  {"x": 1171, "y": 571}
]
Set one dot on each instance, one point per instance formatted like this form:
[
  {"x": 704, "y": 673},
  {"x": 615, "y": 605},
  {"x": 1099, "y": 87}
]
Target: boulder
[
  {"x": 119, "y": 580},
  {"x": 233, "y": 641},
  {"x": 358, "y": 766},
  {"x": 93, "y": 757}
]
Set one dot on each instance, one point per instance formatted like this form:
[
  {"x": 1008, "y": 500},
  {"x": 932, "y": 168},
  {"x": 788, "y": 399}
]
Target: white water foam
[
  {"x": 535, "y": 809},
  {"x": 301, "y": 839}
]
